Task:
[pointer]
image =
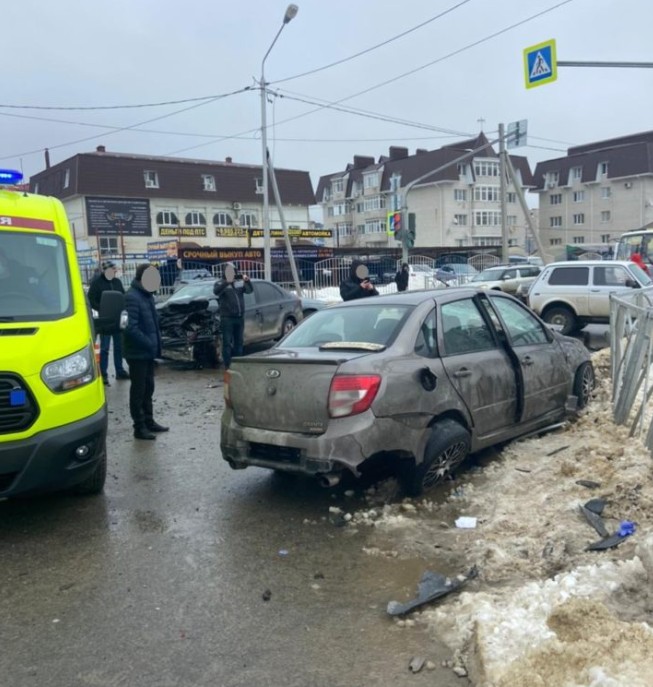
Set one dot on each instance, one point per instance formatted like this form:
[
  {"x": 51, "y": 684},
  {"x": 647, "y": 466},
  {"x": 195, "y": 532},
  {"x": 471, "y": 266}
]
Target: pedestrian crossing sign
[{"x": 540, "y": 65}]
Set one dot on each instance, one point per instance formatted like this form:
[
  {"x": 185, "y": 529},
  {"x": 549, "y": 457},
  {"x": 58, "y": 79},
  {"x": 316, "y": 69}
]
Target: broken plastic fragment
[
  {"x": 595, "y": 521},
  {"x": 626, "y": 528},
  {"x": 588, "y": 483},
  {"x": 596, "y": 505},
  {"x": 416, "y": 664},
  {"x": 466, "y": 522},
  {"x": 432, "y": 586}
]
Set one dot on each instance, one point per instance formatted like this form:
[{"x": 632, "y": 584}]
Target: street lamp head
[{"x": 291, "y": 13}]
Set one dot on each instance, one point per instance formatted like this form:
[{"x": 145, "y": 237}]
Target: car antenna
[{"x": 23, "y": 173}]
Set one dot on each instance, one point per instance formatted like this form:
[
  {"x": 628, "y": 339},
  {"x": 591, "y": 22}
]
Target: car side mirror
[
  {"x": 632, "y": 284},
  {"x": 112, "y": 304}
]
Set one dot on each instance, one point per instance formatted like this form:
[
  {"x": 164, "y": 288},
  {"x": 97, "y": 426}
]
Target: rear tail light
[
  {"x": 227, "y": 379},
  {"x": 352, "y": 394}
]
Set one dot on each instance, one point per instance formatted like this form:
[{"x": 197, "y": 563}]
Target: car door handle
[
  {"x": 527, "y": 360},
  {"x": 462, "y": 372}
]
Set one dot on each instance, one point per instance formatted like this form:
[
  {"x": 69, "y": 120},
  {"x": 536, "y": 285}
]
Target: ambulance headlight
[{"x": 69, "y": 372}]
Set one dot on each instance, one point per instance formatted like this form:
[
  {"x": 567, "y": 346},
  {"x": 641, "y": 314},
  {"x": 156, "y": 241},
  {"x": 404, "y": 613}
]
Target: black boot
[
  {"x": 156, "y": 427},
  {"x": 143, "y": 433}
]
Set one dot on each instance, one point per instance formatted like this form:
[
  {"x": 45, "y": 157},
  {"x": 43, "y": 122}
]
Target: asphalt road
[{"x": 161, "y": 581}]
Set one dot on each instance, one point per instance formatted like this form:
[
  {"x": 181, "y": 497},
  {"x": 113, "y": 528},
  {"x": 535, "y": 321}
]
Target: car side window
[
  {"x": 510, "y": 274},
  {"x": 610, "y": 276},
  {"x": 252, "y": 298},
  {"x": 463, "y": 328},
  {"x": 266, "y": 293},
  {"x": 570, "y": 276},
  {"x": 425, "y": 344},
  {"x": 522, "y": 327}
]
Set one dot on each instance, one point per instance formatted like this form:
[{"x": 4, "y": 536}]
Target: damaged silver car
[{"x": 416, "y": 380}]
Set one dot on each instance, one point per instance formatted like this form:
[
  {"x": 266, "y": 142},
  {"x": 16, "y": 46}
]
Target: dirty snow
[{"x": 543, "y": 611}]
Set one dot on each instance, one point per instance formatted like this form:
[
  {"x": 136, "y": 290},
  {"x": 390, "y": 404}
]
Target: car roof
[
  {"x": 419, "y": 296},
  {"x": 585, "y": 263}
]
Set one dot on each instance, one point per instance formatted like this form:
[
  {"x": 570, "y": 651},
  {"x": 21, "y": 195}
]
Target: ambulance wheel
[{"x": 94, "y": 483}]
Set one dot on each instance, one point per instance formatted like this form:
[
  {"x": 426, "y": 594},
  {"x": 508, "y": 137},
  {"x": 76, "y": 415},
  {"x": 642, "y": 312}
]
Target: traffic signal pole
[{"x": 505, "y": 251}]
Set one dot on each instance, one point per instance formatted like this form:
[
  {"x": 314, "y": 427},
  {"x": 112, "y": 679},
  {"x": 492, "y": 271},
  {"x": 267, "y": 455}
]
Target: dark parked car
[
  {"x": 190, "y": 323},
  {"x": 415, "y": 380}
]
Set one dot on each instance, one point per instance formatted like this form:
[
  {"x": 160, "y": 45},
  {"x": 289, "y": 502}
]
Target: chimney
[
  {"x": 101, "y": 149},
  {"x": 396, "y": 152},
  {"x": 228, "y": 160},
  {"x": 47, "y": 159},
  {"x": 421, "y": 151},
  {"x": 362, "y": 161}
]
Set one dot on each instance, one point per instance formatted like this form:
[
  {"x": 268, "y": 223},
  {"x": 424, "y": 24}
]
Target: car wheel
[
  {"x": 94, "y": 484},
  {"x": 563, "y": 317},
  {"x": 288, "y": 325},
  {"x": 584, "y": 384},
  {"x": 445, "y": 450}
]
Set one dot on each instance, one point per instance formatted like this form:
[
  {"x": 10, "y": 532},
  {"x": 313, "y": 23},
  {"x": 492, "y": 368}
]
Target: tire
[
  {"x": 288, "y": 325},
  {"x": 446, "y": 449},
  {"x": 584, "y": 381},
  {"x": 94, "y": 483},
  {"x": 563, "y": 317}
]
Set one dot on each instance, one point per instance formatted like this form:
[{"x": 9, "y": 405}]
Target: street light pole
[{"x": 291, "y": 12}]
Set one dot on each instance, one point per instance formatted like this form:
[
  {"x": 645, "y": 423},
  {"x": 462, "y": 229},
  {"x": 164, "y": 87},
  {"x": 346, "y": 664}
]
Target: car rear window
[
  {"x": 569, "y": 276},
  {"x": 369, "y": 323}
]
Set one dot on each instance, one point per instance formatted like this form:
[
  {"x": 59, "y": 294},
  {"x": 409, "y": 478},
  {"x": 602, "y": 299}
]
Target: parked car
[
  {"x": 189, "y": 276},
  {"x": 575, "y": 293},
  {"x": 415, "y": 380},
  {"x": 463, "y": 272},
  {"x": 506, "y": 278},
  {"x": 311, "y": 305},
  {"x": 190, "y": 323}
]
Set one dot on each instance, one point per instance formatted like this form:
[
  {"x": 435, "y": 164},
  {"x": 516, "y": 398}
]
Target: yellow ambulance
[{"x": 53, "y": 415}]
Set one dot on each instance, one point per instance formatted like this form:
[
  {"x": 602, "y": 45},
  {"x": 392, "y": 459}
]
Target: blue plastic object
[{"x": 626, "y": 528}]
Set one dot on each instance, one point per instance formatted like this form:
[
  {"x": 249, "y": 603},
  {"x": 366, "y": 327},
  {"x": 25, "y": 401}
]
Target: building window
[
  {"x": 208, "y": 182},
  {"x": 339, "y": 209},
  {"x": 355, "y": 188},
  {"x": 374, "y": 226},
  {"x": 373, "y": 203},
  {"x": 603, "y": 169},
  {"x": 344, "y": 229},
  {"x": 578, "y": 239},
  {"x": 66, "y": 178},
  {"x": 512, "y": 242},
  {"x": 555, "y": 242},
  {"x": 605, "y": 238},
  {"x": 555, "y": 199},
  {"x": 167, "y": 218},
  {"x": 511, "y": 197},
  {"x": 487, "y": 218},
  {"x": 606, "y": 192},
  {"x": 576, "y": 173},
  {"x": 360, "y": 228},
  {"x": 337, "y": 185},
  {"x": 371, "y": 180},
  {"x": 460, "y": 220},
  {"x": 108, "y": 246},
  {"x": 579, "y": 196},
  {"x": 551, "y": 179},
  {"x": 248, "y": 219},
  {"x": 488, "y": 193},
  {"x": 579, "y": 218},
  {"x": 222, "y": 219},
  {"x": 555, "y": 222},
  {"x": 605, "y": 215},
  {"x": 459, "y": 194},
  {"x": 151, "y": 179},
  {"x": 486, "y": 168},
  {"x": 36, "y": 187},
  {"x": 511, "y": 220},
  {"x": 486, "y": 240},
  {"x": 325, "y": 196},
  {"x": 195, "y": 218}
]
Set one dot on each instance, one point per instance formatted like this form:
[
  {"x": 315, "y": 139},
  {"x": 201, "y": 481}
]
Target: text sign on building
[
  {"x": 540, "y": 64},
  {"x": 294, "y": 233},
  {"x": 118, "y": 217},
  {"x": 182, "y": 231}
]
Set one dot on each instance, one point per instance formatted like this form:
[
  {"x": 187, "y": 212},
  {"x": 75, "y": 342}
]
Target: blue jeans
[
  {"x": 105, "y": 345},
  {"x": 233, "y": 329}
]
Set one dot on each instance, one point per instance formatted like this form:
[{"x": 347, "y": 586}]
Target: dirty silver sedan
[{"x": 417, "y": 380}]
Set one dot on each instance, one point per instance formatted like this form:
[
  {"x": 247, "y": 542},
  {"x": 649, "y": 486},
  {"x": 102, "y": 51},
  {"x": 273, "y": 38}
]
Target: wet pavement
[{"x": 187, "y": 573}]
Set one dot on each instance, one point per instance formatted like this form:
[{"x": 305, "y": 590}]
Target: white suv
[{"x": 575, "y": 293}]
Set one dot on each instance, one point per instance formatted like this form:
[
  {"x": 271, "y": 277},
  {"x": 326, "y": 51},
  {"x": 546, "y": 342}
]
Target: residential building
[
  {"x": 457, "y": 206},
  {"x": 596, "y": 192},
  {"x": 120, "y": 205}
]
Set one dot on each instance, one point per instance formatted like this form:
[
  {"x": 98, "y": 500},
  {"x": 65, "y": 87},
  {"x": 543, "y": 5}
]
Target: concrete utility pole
[{"x": 505, "y": 250}]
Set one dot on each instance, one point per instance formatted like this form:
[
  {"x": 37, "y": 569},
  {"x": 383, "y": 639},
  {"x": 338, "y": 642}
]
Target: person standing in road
[
  {"x": 231, "y": 290},
  {"x": 142, "y": 344},
  {"x": 107, "y": 280},
  {"x": 357, "y": 284},
  {"x": 401, "y": 278}
]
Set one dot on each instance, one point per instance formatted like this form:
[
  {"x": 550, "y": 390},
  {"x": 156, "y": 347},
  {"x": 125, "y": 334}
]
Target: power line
[{"x": 374, "y": 47}]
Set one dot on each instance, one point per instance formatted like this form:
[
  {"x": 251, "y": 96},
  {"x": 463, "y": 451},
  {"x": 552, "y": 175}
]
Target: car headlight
[{"x": 69, "y": 372}]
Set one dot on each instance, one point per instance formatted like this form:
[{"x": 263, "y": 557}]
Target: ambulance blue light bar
[{"x": 10, "y": 176}]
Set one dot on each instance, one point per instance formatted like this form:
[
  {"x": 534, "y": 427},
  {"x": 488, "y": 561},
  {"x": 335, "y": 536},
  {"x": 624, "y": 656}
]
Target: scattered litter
[
  {"x": 416, "y": 664},
  {"x": 432, "y": 586},
  {"x": 430, "y": 665},
  {"x": 557, "y": 450},
  {"x": 626, "y": 528},
  {"x": 267, "y": 595},
  {"x": 350, "y": 493},
  {"x": 460, "y": 671},
  {"x": 595, "y": 521},
  {"x": 596, "y": 505},
  {"x": 283, "y": 552},
  {"x": 212, "y": 386},
  {"x": 315, "y": 586},
  {"x": 466, "y": 523},
  {"x": 523, "y": 470},
  {"x": 588, "y": 483},
  {"x": 318, "y": 576}
]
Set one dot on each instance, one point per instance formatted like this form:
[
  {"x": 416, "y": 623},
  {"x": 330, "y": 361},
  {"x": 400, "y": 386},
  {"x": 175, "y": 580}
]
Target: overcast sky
[{"x": 76, "y": 53}]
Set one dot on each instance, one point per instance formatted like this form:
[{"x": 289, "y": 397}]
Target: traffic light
[
  {"x": 410, "y": 233},
  {"x": 395, "y": 225}
]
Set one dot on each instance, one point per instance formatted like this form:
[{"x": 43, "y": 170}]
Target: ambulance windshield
[{"x": 34, "y": 280}]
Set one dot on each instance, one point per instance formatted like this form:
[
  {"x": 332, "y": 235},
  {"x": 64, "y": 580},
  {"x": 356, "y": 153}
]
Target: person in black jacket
[
  {"x": 357, "y": 285},
  {"x": 401, "y": 278},
  {"x": 231, "y": 290},
  {"x": 106, "y": 280},
  {"x": 142, "y": 344}
]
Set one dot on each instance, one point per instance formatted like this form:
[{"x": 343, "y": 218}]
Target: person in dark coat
[
  {"x": 231, "y": 290},
  {"x": 357, "y": 284},
  {"x": 142, "y": 344},
  {"x": 401, "y": 278},
  {"x": 106, "y": 280}
]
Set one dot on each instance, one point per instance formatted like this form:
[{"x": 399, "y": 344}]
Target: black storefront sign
[{"x": 118, "y": 217}]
